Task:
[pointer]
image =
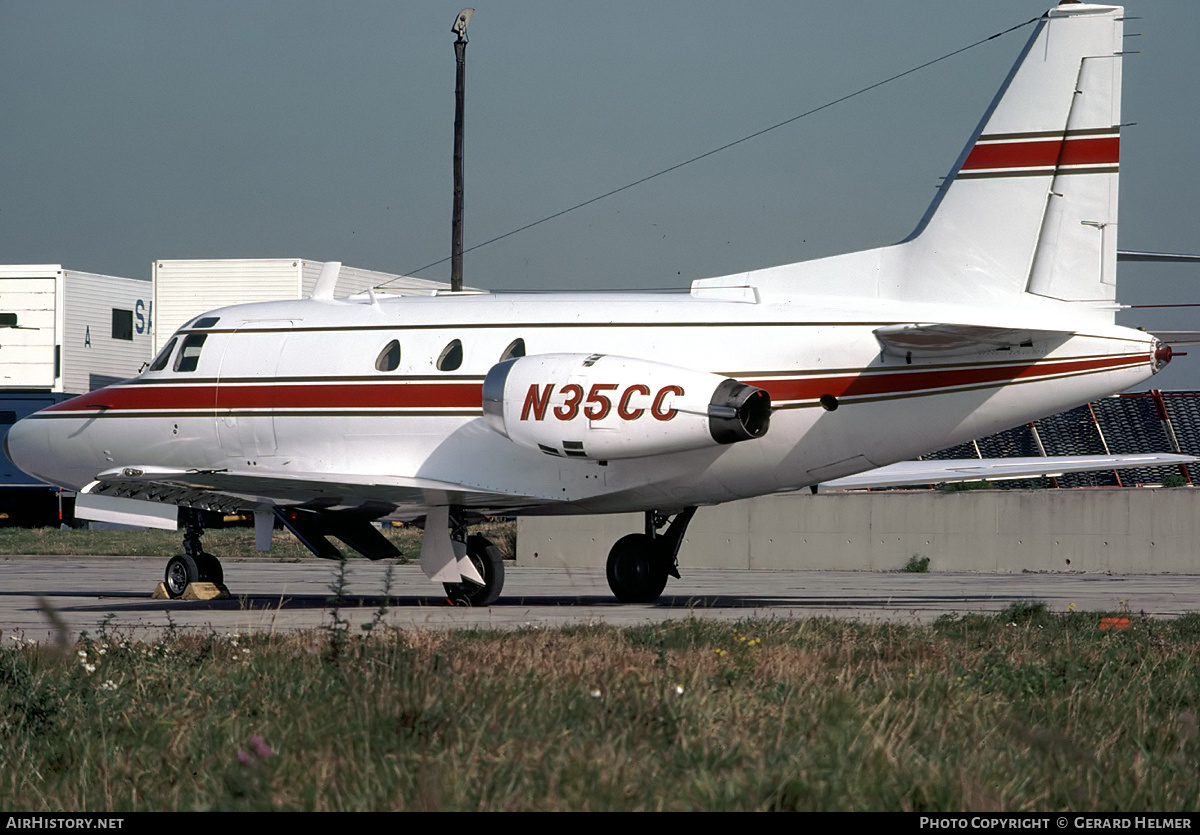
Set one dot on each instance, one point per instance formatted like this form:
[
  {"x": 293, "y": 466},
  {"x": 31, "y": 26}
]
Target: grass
[
  {"x": 226, "y": 543},
  {"x": 1022, "y": 711},
  {"x": 917, "y": 564}
]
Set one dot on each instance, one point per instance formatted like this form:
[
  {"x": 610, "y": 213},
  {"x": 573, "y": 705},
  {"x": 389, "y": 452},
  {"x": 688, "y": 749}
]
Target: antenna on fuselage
[{"x": 327, "y": 280}]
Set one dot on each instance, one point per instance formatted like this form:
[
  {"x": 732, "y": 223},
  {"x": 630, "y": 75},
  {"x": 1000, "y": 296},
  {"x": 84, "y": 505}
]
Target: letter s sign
[{"x": 141, "y": 311}]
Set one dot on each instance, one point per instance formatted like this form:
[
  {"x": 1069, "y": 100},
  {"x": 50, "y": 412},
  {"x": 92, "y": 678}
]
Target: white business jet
[{"x": 329, "y": 414}]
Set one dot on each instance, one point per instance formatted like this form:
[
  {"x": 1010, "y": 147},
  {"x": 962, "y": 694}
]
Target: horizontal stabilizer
[
  {"x": 1168, "y": 257},
  {"x": 943, "y": 340},
  {"x": 916, "y": 473},
  {"x": 1178, "y": 337}
]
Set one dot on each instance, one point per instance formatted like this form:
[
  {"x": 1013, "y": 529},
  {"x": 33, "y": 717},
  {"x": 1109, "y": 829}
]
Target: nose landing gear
[{"x": 194, "y": 565}]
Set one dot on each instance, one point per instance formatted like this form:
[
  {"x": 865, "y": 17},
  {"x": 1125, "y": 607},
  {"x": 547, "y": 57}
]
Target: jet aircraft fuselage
[{"x": 327, "y": 414}]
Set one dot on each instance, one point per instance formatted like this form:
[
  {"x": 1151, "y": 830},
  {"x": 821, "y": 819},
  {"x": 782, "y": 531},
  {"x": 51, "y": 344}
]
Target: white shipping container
[
  {"x": 183, "y": 289},
  {"x": 69, "y": 332},
  {"x": 62, "y": 333}
]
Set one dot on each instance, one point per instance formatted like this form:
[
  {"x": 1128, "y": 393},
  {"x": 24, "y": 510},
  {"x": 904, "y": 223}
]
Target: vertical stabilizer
[{"x": 1031, "y": 205}]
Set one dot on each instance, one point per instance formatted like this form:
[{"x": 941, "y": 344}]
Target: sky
[{"x": 138, "y": 130}]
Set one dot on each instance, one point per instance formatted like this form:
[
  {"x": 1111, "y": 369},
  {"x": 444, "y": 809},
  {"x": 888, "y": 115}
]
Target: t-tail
[{"x": 1030, "y": 206}]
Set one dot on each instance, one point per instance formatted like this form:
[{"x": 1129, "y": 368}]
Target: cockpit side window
[
  {"x": 164, "y": 356},
  {"x": 189, "y": 354}
]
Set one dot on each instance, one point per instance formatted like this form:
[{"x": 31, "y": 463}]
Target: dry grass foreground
[{"x": 1022, "y": 712}]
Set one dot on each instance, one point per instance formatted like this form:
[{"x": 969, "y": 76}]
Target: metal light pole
[{"x": 460, "y": 54}]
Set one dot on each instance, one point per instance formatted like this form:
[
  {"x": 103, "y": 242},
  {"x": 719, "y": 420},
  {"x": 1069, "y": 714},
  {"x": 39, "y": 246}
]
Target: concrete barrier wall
[{"x": 1127, "y": 531}]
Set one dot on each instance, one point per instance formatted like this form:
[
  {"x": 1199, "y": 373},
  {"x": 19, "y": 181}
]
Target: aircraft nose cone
[{"x": 26, "y": 445}]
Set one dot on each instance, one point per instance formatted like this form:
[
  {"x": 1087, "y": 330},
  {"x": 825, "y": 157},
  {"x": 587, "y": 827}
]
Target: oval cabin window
[
  {"x": 452, "y": 356},
  {"x": 389, "y": 357},
  {"x": 515, "y": 349}
]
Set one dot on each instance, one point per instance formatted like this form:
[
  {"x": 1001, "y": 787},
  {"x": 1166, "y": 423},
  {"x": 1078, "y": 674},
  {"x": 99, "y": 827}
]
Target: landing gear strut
[
  {"x": 487, "y": 561},
  {"x": 639, "y": 564},
  {"x": 194, "y": 564}
]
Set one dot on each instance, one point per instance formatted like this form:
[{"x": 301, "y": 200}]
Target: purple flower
[{"x": 261, "y": 748}]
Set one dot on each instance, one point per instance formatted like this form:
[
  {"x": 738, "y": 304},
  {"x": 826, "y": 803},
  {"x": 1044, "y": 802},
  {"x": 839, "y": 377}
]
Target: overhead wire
[{"x": 718, "y": 150}]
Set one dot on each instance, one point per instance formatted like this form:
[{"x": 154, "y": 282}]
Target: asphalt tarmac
[{"x": 83, "y": 592}]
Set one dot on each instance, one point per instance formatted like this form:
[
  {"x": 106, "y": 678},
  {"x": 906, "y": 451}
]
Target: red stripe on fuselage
[
  {"x": 468, "y": 395},
  {"x": 285, "y": 396},
  {"x": 906, "y": 382},
  {"x": 1044, "y": 153}
]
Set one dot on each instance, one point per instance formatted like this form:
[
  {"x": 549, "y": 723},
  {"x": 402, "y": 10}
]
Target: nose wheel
[
  {"x": 194, "y": 565},
  {"x": 185, "y": 569}
]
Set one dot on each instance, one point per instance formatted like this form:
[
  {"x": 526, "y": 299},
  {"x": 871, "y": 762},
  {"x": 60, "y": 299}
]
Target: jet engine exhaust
[{"x": 738, "y": 412}]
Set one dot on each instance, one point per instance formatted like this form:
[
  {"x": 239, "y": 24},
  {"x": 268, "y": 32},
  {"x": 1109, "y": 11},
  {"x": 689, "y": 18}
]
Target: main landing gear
[
  {"x": 639, "y": 564},
  {"x": 194, "y": 565},
  {"x": 487, "y": 561}
]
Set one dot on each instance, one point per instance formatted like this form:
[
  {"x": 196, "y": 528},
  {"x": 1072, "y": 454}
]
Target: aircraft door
[{"x": 247, "y": 389}]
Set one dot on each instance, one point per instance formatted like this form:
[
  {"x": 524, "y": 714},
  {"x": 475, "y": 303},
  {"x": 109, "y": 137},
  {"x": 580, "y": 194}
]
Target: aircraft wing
[
  {"x": 229, "y": 491},
  {"x": 943, "y": 340},
  {"x": 911, "y": 473}
]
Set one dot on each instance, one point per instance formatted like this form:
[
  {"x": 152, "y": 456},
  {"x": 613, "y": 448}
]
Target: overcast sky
[{"x": 132, "y": 131}]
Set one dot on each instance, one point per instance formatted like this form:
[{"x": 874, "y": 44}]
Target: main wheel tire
[
  {"x": 487, "y": 561},
  {"x": 182, "y": 571},
  {"x": 210, "y": 569},
  {"x": 637, "y": 573}
]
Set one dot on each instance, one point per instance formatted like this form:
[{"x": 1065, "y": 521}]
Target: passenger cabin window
[
  {"x": 515, "y": 349},
  {"x": 122, "y": 324},
  {"x": 389, "y": 357},
  {"x": 8, "y": 320},
  {"x": 164, "y": 356},
  {"x": 452, "y": 356},
  {"x": 189, "y": 354}
]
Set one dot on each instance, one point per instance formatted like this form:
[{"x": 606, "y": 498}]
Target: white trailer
[
  {"x": 62, "y": 333},
  {"x": 183, "y": 289}
]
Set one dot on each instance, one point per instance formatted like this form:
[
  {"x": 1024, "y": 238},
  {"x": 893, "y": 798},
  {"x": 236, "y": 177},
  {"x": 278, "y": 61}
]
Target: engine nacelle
[{"x": 599, "y": 406}]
